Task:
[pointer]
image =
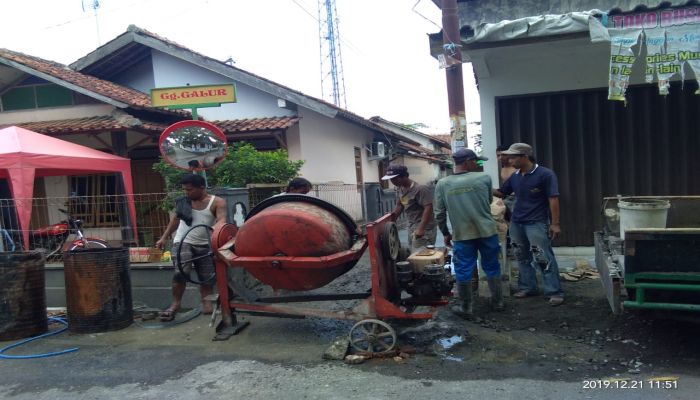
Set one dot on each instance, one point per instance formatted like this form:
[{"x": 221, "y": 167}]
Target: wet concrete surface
[{"x": 531, "y": 350}]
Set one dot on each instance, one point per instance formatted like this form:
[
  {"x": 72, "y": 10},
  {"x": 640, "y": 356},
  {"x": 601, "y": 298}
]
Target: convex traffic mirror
[{"x": 192, "y": 145}]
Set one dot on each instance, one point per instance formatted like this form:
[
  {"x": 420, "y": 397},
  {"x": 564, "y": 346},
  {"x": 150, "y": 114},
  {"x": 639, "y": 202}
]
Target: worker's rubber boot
[
  {"x": 496, "y": 289},
  {"x": 464, "y": 307}
]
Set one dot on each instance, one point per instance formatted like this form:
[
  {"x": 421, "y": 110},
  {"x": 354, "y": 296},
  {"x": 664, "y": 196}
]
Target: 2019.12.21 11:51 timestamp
[{"x": 661, "y": 383}]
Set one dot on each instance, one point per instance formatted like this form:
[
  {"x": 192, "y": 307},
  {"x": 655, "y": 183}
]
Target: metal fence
[{"x": 107, "y": 217}]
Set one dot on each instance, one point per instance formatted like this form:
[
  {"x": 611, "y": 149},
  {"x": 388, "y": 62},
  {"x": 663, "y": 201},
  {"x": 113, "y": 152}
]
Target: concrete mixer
[{"x": 299, "y": 243}]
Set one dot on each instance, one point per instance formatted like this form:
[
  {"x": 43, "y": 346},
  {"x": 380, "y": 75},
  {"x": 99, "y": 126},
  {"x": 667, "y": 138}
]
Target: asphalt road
[{"x": 531, "y": 351}]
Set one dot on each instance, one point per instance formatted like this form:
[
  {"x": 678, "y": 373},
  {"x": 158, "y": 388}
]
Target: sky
[{"x": 387, "y": 66}]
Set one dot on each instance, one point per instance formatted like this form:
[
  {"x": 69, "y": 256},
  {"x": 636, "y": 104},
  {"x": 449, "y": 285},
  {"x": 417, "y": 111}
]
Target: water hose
[{"x": 55, "y": 353}]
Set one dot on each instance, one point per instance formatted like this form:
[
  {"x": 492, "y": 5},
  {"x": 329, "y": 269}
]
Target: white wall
[
  {"x": 139, "y": 77},
  {"x": 56, "y": 187},
  {"x": 294, "y": 143},
  {"x": 252, "y": 103},
  {"x": 420, "y": 170},
  {"x": 55, "y": 113},
  {"x": 534, "y": 68},
  {"x": 328, "y": 144}
]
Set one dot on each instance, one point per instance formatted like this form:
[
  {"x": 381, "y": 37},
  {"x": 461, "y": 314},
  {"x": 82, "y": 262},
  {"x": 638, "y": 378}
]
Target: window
[
  {"x": 20, "y": 98},
  {"x": 53, "y": 96},
  {"x": 28, "y": 97},
  {"x": 94, "y": 200}
]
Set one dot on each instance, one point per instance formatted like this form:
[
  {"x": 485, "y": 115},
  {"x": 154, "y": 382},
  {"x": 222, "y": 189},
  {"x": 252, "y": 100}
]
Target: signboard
[
  {"x": 193, "y": 96},
  {"x": 672, "y": 40}
]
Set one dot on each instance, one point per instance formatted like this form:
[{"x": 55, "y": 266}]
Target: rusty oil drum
[
  {"x": 22, "y": 295},
  {"x": 98, "y": 290},
  {"x": 296, "y": 226}
]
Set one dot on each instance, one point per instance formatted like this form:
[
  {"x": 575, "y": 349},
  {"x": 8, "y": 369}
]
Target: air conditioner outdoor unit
[{"x": 378, "y": 149}]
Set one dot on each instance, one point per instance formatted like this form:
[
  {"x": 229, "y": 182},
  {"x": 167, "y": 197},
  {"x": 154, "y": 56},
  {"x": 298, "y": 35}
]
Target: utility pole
[{"x": 455, "y": 84}]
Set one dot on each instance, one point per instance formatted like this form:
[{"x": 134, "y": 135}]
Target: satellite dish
[{"x": 192, "y": 145}]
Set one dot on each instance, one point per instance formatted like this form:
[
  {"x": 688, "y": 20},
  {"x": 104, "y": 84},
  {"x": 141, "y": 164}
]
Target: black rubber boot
[
  {"x": 464, "y": 307},
  {"x": 496, "y": 289}
]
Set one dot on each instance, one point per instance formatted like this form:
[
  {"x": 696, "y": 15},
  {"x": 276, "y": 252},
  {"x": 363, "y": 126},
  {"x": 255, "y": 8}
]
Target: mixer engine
[{"x": 433, "y": 280}]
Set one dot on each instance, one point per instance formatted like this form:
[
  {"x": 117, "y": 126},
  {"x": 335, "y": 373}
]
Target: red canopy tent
[{"x": 25, "y": 155}]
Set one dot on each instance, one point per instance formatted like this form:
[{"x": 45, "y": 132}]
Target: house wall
[
  {"x": 328, "y": 144},
  {"x": 56, "y": 187},
  {"x": 294, "y": 143},
  {"x": 419, "y": 169},
  {"x": 55, "y": 113},
  {"x": 581, "y": 126},
  {"x": 536, "y": 68},
  {"x": 139, "y": 77},
  {"x": 251, "y": 102}
]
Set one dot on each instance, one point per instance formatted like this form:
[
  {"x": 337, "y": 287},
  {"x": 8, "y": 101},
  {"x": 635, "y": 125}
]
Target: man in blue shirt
[{"x": 534, "y": 222}]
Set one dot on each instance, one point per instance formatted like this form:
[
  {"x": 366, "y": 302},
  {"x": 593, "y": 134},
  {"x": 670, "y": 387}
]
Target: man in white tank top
[{"x": 206, "y": 210}]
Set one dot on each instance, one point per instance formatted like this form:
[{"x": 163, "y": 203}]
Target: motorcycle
[{"x": 53, "y": 239}]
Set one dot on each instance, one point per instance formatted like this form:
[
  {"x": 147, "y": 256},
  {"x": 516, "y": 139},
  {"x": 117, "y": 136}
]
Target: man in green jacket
[{"x": 466, "y": 198}]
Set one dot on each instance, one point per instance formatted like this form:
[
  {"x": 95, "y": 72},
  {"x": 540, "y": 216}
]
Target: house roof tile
[
  {"x": 93, "y": 57},
  {"x": 113, "y": 91},
  {"x": 84, "y": 125},
  {"x": 106, "y": 123},
  {"x": 256, "y": 124}
]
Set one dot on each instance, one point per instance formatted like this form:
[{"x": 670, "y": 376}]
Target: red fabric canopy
[{"x": 25, "y": 155}]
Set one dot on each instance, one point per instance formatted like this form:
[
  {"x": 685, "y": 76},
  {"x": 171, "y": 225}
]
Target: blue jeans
[
  {"x": 533, "y": 250},
  {"x": 465, "y": 255}
]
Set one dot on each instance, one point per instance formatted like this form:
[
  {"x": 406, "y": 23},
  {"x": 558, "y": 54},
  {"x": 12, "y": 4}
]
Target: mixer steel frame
[{"x": 382, "y": 302}]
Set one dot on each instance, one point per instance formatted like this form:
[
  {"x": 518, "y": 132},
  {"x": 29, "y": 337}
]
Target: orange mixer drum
[{"x": 296, "y": 226}]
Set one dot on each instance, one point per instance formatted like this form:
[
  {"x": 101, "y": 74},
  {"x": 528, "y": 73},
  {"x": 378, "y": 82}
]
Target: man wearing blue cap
[{"x": 466, "y": 198}]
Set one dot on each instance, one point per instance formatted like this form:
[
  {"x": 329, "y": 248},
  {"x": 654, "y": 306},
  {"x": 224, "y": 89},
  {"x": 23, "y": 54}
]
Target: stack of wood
[{"x": 580, "y": 272}]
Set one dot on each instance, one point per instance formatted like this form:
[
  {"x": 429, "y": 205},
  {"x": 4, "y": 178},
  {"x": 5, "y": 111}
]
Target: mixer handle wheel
[
  {"x": 390, "y": 241},
  {"x": 372, "y": 336},
  {"x": 180, "y": 262}
]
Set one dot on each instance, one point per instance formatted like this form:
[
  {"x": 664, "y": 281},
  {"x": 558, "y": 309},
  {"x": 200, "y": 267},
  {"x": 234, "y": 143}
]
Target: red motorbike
[{"x": 54, "y": 238}]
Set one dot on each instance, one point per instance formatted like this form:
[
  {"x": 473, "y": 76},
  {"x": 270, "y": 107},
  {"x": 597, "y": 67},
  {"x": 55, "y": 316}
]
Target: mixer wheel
[
  {"x": 372, "y": 336},
  {"x": 390, "y": 241}
]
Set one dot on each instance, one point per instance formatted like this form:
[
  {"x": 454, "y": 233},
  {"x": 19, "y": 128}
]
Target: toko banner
[{"x": 670, "y": 38}]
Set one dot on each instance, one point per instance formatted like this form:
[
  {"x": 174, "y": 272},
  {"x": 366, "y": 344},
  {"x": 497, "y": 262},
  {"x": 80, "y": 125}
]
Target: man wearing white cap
[{"x": 416, "y": 201}]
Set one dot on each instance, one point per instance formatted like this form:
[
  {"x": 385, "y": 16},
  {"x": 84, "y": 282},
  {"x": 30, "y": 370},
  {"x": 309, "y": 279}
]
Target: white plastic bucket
[{"x": 642, "y": 213}]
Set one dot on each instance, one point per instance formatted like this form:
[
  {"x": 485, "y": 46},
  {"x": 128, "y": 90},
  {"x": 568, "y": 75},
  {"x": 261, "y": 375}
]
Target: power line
[
  {"x": 103, "y": 12},
  {"x": 305, "y": 10},
  {"x": 343, "y": 40}
]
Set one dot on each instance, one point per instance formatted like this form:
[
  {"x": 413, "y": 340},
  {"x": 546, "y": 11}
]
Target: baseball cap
[
  {"x": 519, "y": 149},
  {"x": 467, "y": 154},
  {"x": 394, "y": 170}
]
